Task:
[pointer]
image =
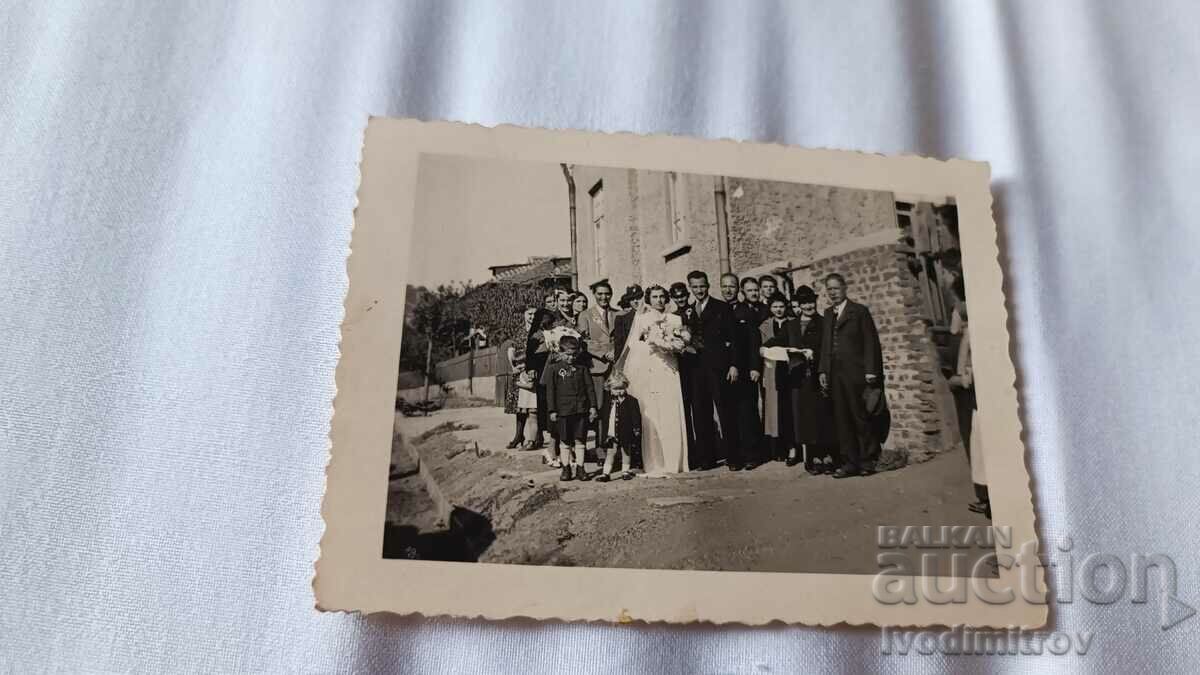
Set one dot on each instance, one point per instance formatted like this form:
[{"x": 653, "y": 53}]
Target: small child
[
  {"x": 571, "y": 402},
  {"x": 624, "y": 427}
]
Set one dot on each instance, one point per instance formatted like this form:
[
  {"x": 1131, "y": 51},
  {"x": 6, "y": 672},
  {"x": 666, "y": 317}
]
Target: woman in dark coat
[
  {"x": 536, "y": 355},
  {"x": 812, "y": 413}
]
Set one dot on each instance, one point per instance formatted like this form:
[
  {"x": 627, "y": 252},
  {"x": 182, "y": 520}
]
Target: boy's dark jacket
[
  {"x": 568, "y": 388},
  {"x": 629, "y": 422}
]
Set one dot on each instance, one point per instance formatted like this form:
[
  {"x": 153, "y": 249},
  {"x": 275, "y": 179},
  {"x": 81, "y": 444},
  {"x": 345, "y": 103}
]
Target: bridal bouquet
[
  {"x": 553, "y": 335},
  {"x": 665, "y": 337}
]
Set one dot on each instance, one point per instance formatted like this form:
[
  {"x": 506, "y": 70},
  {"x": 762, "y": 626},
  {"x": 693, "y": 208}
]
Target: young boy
[
  {"x": 571, "y": 402},
  {"x": 624, "y": 427}
]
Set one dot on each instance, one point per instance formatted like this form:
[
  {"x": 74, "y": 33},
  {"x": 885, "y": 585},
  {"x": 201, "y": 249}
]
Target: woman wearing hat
[{"x": 812, "y": 414}]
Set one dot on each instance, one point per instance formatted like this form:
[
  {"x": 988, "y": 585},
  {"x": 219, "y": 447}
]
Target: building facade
[{"x": 895, "y": 252}]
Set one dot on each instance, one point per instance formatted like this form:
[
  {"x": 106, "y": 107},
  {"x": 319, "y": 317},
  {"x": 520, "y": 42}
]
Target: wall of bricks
[{"x": 923, "y": 421}]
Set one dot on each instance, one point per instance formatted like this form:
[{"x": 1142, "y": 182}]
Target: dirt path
[{"x": 773, "y": 519}]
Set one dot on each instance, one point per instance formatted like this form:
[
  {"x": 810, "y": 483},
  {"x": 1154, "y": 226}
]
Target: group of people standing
[{"x": 764, "y": 377}]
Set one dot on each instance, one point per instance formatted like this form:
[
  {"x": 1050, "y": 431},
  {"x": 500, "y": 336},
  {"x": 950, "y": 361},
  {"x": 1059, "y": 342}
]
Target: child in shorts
[{"x": 571, "y": 402}]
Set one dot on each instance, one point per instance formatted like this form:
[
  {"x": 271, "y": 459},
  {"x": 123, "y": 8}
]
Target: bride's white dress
[{"x": 654, "y": 382}]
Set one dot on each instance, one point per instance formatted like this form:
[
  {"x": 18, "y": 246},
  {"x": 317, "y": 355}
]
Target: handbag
[{"x": 525, "y": 380}]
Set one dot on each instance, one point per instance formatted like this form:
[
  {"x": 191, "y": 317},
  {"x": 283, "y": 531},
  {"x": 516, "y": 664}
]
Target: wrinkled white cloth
[{"x": 177, "y": 183}]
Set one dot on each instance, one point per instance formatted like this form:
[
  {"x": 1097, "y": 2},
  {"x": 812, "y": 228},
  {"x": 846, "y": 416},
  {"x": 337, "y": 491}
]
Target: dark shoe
[
  {"x": 581, "y": 474},
  {"x": 602, "y": 478},
  {"x": 815, "y": 469},
  {"x": 867, "y": 471},
  {"x": 628, "y": 475},
  {"x": 792, "y": 461},
  {"x": 734, "y": 467},
  {"x": 750, "y": 466},
  {"x": 515, "y": 443},
  {"x": 846, "y": 472},
  {"x": 566, "y": 474},
  {"x": 535, "y": 445}
]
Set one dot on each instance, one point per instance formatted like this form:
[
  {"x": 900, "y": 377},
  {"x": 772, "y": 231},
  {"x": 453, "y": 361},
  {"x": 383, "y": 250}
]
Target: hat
[
  {"x": 600, "y": 282},
  {"x": 878, "y": 414},
  {"x": 632, "y": 293},
  {"x": 804, "y": 294},
  {"x": 678, "y": 288}
]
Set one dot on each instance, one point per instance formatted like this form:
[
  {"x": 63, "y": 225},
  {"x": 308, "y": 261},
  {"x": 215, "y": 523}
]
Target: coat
[
  {"x": 568, "y": 388},
  {"x": 774, "y": 376},
  {"x": 812, "y": 413},
  {"x": 850, "y": 345},
  {"x": 714, "y": 329},
  {"x": 599, "y": 337},
  {"x": 621, "y": 327},
  {"x": 628, "y": 433}
]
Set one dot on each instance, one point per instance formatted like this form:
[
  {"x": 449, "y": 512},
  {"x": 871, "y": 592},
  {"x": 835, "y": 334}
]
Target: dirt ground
[{"x": 773, "y": 519}]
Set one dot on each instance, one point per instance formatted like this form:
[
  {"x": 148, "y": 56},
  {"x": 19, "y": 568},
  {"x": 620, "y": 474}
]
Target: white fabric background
[{"x": 176, "y": 188}]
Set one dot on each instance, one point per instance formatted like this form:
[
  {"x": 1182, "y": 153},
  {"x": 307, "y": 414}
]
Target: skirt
[
  {"x": 511, "y": 402},
  {"x": 526, "y": 400}
]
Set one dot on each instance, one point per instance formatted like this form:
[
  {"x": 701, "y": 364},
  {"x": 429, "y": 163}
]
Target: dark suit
[
  {"x": 850, "y": 351},
  {"x": 620, "y": 334},
  {"x": 747, "y": 341},
  {"x": 685, "y": 386},
  {"x": 714, "y": 329}
]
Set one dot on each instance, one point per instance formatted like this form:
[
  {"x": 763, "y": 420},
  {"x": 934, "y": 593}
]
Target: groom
[{"x": 712, "y": 375}]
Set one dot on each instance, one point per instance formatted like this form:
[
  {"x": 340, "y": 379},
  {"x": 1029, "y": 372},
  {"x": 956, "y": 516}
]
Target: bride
[{"x": 654, "y": 381}]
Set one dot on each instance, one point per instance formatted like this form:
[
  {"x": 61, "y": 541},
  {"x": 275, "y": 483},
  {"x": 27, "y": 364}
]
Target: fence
[{"x": 470, "y": 374}]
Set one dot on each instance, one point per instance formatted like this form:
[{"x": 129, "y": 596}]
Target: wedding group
[{"x": 673, "y": 379}]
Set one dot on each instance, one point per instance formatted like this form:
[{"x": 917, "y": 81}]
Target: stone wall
[{"x": 771, "y": 221}]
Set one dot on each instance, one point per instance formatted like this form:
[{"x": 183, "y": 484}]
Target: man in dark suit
[
  {"x": 712, "y": 325},
  {"x": 679, "y": 298},
  {"x": 752, "y": 294},
  {"x": 851, "y": 361},
  {"x": 745, "y": 445}
]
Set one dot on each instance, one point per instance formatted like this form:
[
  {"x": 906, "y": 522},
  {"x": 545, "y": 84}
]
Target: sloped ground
[{"x": 776, "y": 518}]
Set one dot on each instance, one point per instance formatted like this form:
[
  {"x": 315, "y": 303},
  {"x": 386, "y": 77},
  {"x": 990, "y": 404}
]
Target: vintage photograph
[
  {"x": 617, "y": 367},
  {"x": 617, "y": 377}
]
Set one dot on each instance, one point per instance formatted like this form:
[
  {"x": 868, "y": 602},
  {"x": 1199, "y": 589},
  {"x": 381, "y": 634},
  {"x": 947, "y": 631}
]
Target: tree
[{"x": 436, "y": 316}]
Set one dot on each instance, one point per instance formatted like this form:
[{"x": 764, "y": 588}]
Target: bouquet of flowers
[
  {"x": 665, "y": 337},
  {"x": 553, "y": 335}
]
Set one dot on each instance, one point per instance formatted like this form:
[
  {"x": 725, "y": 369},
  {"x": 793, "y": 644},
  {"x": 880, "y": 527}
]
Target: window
[
  {"x": 596, "y": 195},
  {"x": 928, "y": 243},
  {"x": 676, "y": 206}
]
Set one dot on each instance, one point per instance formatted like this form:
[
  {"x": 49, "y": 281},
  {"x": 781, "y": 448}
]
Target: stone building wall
[{"x": 772, "y": 222}]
